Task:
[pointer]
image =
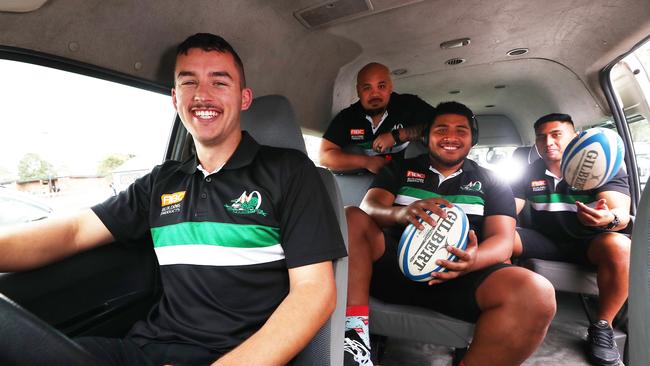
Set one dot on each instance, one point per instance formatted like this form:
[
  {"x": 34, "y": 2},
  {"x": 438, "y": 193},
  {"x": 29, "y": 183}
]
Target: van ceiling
[{"x": 570, "y": 41}]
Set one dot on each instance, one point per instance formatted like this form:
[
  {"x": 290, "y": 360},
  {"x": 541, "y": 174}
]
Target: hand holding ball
[
  {"x": 419, "y": 250},
  {"x": 592, "y": 159}
]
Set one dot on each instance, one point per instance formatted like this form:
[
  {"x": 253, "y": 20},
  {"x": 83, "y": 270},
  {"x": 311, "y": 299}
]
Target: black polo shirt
[
  {"x": 224, "y": 242},
  {"x": 553, "y": 208},
  {"x": 476, "y": 190},
  {"x": 351, "y": 127}
]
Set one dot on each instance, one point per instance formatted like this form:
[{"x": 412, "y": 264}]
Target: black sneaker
[
  {"x": 602, "y": 348},
  {"x": 356, "y": 353}
]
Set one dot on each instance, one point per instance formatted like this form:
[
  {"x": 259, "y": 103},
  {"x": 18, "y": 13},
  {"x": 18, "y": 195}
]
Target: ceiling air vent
[
  {"x": 332, "y": 11},
  {"x": 455, "y": 61},
  {"x": 517, "y": 52}
]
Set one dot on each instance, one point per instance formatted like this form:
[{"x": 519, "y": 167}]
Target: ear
[
  {"x": 246, "y": 98},
  {"x": 174, "y": 98}
]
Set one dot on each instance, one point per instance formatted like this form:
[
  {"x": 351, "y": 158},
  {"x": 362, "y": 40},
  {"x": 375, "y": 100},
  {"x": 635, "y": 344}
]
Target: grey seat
[
  {"x": 356, "y": 183},
  {"x": 639, "y": 298},
  {"x": 271, "y": 121}
]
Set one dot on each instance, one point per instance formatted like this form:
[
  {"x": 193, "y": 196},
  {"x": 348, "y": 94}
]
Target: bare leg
[
  {"x": 610, "y": 252},
  {"x": 365, "y": 245},
  {"x": 518, "y": 247},
  {"x": 517, "y": 307}
]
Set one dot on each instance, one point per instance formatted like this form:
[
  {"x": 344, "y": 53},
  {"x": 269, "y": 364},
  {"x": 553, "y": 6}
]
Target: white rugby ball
[
  {"x": 418, "y": 250},
  {"x": 592, "y": 158}
]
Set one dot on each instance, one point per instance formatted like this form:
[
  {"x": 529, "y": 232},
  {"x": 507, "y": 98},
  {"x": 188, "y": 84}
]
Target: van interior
[{"x": 509, "y": 61}]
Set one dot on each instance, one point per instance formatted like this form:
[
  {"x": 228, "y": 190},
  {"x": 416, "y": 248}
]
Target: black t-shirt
[
  {"x": 476, "y": 190},
  {"x": 351, "y": 130},
  {"x": 553, "y": 209},
  {"x": 225, "y": 242}
]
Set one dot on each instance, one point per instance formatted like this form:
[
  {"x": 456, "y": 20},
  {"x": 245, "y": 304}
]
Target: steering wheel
[{"x": 27, "y": 340}]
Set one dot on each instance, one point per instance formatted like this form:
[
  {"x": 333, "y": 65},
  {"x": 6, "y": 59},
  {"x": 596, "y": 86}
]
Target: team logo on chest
[
  {"x": 415, "y": 177},
  {"x": 357, "y": 134},
  {"x": 473, "y": 186},
  {"x": 246, "y": 204},
  {"x": 538, "y": 185},
  {"x": 171, "y": 202}
]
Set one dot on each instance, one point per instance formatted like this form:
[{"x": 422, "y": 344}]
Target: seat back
[
  {"x": 639, "y": 298},
  {"x": 568, "y": 277},
  {"x": 354, "y": 184},
  {"x": 271, "y": 121}
]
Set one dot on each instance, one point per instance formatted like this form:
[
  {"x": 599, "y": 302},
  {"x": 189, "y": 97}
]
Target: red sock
[
  {"x": 356, "y": 318},
  {"x": 357, "y": 310},
  {"x": 461, "y": 363}
]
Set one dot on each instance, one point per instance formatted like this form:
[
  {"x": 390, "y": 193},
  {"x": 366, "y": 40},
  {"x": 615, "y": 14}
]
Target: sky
[{"x": 74, "y": 121}]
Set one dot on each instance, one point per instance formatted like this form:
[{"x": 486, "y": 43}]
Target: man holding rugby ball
[
  {"x": 512, "y": 307},
  {"x": 584, "y": 224}
]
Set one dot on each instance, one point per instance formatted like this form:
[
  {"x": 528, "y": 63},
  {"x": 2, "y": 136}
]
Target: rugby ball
[
  {"x": 592, "y": 158},
  {"x": 418, "y": 250}
]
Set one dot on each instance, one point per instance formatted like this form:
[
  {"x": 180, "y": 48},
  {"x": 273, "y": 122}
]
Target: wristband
[
  {"x": 395, "y": 134},
  {"x": 615, "y": 222}
]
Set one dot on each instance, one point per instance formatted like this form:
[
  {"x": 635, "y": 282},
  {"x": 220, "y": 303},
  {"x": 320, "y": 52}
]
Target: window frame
[
  {"x": 622, "y": 127},
  {"x": 98, "y": 72}
]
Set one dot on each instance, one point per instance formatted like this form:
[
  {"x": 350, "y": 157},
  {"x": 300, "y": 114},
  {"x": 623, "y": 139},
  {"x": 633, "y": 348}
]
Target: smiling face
[
  {"x": 551, "y": 138},
  {"x": 450, "y": 139},
  {"x": 208, "y": 96}
]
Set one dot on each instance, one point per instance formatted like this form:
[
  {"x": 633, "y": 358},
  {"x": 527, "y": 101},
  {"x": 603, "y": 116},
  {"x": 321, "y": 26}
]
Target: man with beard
[
  {"x": 377, "y": 128},
  {"x": 512, "y": 306},
  {"x": 585, "y": 227}
]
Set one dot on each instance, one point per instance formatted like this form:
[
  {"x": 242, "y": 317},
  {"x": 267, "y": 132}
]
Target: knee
[
  {"x": 534, "y": 298},
  {"x": 612, "y": 249},
  {"x": 542, "y": 298}
]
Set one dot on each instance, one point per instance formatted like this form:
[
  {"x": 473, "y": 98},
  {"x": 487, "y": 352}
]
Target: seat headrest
[
  {"x": 271, "y": 121},
  {"x": 526, "y": 154}
]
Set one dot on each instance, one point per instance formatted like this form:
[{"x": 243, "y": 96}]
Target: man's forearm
[
  {"x": 623, "y": 216},
  {"x": 411, "y": 133},
  {"x": 36, "y": 244},
  {"x": 340, "y": 161},
  {"x": 384, "y": 216},
  {"x": 493, "y": 250}
]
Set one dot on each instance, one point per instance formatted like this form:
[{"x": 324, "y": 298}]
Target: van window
[
  {"x": 70, "y": 141},
  {"x": 631, "y": 81}
]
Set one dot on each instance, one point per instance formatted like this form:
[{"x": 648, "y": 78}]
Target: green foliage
[
  {"x": 111, "y": 162},
  {"x": 32, "y": 167}
]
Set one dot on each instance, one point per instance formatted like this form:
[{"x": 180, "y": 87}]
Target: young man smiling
[
  {"x": 512, "y": 306},
  {"x": 245, "y": 257}
]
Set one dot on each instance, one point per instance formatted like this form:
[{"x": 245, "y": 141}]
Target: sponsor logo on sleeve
[
  {"x": 357, "y": 134},
  {"x": 171, "y": 203},
  {"x": 538, "y": 185},
  {"x": 246, "y": 204},
  {"x": 415, "y": 177}
]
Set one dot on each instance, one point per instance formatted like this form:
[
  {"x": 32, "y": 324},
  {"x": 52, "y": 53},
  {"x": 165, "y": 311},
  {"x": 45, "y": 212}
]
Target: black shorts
[
  {"x": 124, "y": 352},
  {"x": 455, "y": 298},
  {"x": 537, "y": 245}
]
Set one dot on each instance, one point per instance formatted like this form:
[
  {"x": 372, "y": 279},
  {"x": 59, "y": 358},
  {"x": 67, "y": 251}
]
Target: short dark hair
[
  {"x": 553, "y": 117},
  {"x": 211, "y": 42},
  {"x": 453, "y": 108}
]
